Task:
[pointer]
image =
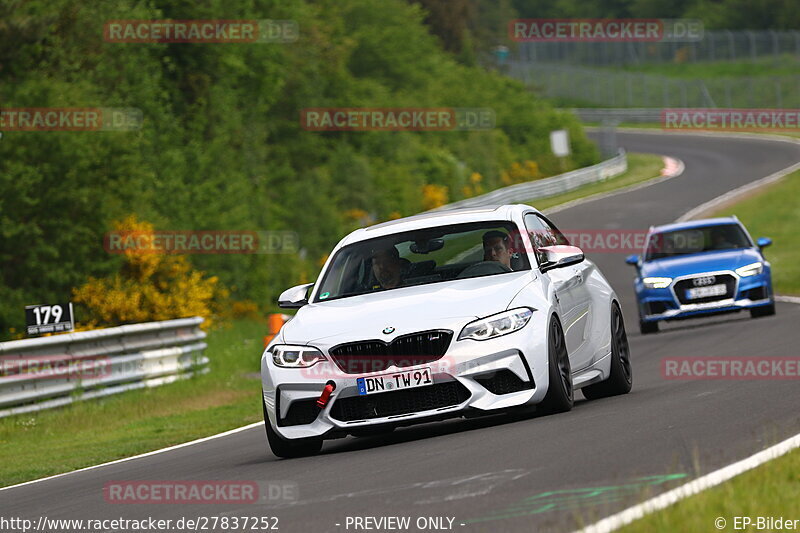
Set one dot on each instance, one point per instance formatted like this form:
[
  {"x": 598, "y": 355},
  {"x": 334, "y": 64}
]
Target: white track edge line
[
  {"x": 726, "y": 473},
  {"x": 692, "y": 488},
  {"x": 147, "y": 454}
]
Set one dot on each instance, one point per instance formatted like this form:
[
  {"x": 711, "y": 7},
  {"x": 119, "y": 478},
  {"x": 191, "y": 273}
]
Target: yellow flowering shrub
[
  {"x": 245, "y": 309},
  {"x": 520, "y": 173},
  {"x": 150, "y": 286},
  {"x": 14, "y": 335},
  {"x": 355, "y": 214},
  {"x": 433, "y": 196},
  {"x": 475, "y": 186},
  {"x": 357, "y": 218}
]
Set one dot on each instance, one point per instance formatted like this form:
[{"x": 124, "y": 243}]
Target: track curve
[{"x": 540, "y": 473}]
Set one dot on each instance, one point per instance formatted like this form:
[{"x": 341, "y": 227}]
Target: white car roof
[{"x": 431, "y": 219}]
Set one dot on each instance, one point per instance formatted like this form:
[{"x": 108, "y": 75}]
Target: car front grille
[
  {"x": 376, "y": 355},
  {"x": 402, "y": 402},
  {"x": 683, "y": 285}
]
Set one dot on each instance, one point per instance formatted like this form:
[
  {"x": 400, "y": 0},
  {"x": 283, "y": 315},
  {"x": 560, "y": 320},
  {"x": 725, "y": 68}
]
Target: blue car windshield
[{"x": 696, "y": 240}]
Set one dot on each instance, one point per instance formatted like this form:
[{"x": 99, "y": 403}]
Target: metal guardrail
[
  {"x": 715, "y": 45},
  {"x": 641, "y": 115},
  {"x": 543, "y": 188},
  {"x": 48, "y": 372}
]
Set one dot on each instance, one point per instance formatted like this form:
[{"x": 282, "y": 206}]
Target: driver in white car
[
  {"x": 495, "y": 248},
  {"x": 389, "y": 269}
]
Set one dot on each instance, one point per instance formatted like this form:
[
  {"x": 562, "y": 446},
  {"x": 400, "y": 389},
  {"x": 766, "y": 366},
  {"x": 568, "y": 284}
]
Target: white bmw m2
[{"x": 444, "y": 314}]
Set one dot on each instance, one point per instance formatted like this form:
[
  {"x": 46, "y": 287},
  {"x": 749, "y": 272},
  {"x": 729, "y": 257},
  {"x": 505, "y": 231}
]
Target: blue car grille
[{"x": 683, "y": 285}]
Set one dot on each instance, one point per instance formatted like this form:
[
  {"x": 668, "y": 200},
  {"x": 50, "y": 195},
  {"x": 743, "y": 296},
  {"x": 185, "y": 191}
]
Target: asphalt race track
[{"x": 540, "y": 473}]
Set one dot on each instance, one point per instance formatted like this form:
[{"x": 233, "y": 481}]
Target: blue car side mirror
[
  {"x": 763, "y": 242},
  {"x": 633, "y": 259}
]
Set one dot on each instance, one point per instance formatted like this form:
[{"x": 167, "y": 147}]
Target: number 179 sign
[{"x": 55, "y": 318}]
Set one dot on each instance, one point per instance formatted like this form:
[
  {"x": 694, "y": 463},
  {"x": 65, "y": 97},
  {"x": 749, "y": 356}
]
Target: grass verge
[
  {"x": 770, "y": 490},
  {"x": 97, "y": 431},
  {"x": 775, "y": 212}
]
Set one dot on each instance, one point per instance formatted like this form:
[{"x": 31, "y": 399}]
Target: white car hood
[{"x": 407, "y": 309}]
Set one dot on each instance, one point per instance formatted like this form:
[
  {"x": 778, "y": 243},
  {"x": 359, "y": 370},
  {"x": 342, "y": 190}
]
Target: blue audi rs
[{"x": 698, "y": 268}]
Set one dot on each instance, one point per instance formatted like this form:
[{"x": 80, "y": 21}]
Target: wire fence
[
  {"x": 603, "y": 87},
  {"x": 718, "y": 45}
]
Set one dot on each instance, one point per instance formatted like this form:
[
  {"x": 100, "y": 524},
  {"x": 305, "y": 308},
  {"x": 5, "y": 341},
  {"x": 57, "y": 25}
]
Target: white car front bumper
[{"x": 460, "y": 384}]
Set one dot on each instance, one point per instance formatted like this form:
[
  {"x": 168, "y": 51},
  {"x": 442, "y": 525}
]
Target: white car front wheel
[{"x": 289, "y": 448}]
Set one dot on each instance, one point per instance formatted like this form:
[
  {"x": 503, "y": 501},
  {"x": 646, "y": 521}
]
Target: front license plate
[
  {"x": 705, "y": 292},
  {"x": 392, "y": 382}
]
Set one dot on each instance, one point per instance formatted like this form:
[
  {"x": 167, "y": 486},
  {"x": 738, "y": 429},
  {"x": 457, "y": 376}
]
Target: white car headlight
[
  {"x": 296, "y": 356},
  {"x": 497, "y": 325},
  {"x": 657, "y": 283},
  {"x": 750, "y": 270}
]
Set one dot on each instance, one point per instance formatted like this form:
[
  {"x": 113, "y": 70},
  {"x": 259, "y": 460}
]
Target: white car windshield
[{"x": 424, "y": 256}]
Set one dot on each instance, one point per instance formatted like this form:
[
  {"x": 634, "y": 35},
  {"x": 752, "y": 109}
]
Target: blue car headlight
[
  {"x": 657, "y": 283},
  {"x": 497, "y": 325},
  {"x": 750, "y": 270}
]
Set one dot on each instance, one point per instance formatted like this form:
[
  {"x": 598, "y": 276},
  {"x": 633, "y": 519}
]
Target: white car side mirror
[
  {"x": 294, "y": 298},
  {"x": 560, "y": 256}
]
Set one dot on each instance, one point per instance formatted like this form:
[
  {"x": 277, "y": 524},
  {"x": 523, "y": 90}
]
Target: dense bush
[
  {"x": 149, "y": 286},
  {"x": 221, "y": 147}
]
